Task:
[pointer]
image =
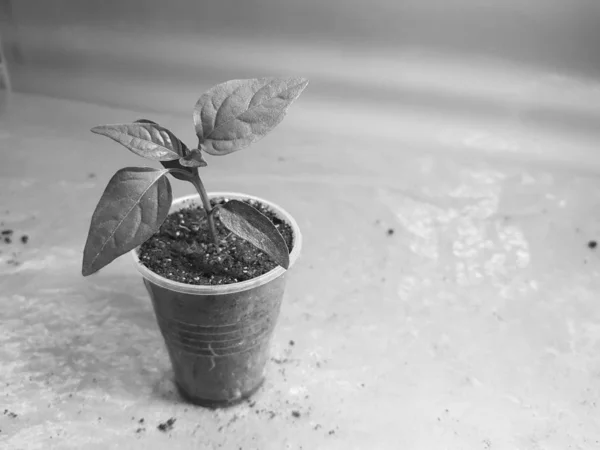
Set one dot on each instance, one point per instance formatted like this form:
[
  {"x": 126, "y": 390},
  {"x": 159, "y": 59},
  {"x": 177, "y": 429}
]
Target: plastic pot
[{"x": 218, "y": 337}]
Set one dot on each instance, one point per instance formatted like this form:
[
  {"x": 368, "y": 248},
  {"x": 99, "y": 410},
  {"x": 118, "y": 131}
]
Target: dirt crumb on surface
[
  {"x": 592, "y": 244},
  {"x": 10, "y": 414},
  {"x": 167, "y": 425}
]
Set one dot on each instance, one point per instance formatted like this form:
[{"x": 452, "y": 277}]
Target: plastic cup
[{"x": 218, "y": 337}]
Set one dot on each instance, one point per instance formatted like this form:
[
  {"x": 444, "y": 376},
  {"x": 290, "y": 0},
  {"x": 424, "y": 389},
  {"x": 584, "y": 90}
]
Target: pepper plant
[{"x": 228, "y": 117}]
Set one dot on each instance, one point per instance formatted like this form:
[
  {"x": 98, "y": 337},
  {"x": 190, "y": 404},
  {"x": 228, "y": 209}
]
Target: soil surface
[{"x": 183, "y": 250}]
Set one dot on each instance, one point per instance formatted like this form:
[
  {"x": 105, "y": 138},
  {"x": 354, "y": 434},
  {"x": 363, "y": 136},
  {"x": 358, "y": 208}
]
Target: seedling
[{"x": 229, "y": 117}]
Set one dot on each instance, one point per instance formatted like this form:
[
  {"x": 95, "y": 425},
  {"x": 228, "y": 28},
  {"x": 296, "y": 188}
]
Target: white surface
[{"x": 473, "y": 326}]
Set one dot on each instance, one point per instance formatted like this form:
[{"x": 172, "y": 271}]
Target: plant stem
[{"x": 197, "y": 182}]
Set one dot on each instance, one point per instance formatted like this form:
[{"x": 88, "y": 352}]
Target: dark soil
[
  {"x": 183, "y": 251},
  {"x": 167, "y": 426},
  {"x": 10, "y": 414},
  {"x": 592, "y": 244}
]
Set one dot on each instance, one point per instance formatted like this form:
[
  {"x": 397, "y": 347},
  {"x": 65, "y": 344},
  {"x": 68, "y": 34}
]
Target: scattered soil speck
[
  {"x": 296, "y": 414},
  {"x": 390, "y": 231},
  {"x": 331, "y": 432},
  {"x": 251, "y": 404},
  {"x": 280, "y": 360},
  {"x": 7, "y": 240},
  {"x": 10, "y": 414},
  {"x": 167, "y": 426},
  {"x": 271, "y": 414},
  {"x": 7, "y": 232},
  {"x": 317, "y": 426},
  {"x": 592, "y": 244},
  {"x": 91, "y": 175},
  {"x": 139, "y": 430},
  {"x": 141, "y": 420},
  {"x": 24, "y": 239},
  {"x": 292, "y": 343}
]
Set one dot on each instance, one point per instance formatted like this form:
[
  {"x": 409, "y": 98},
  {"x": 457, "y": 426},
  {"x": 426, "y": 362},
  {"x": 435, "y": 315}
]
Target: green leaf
[
  {"x": 145, "y": 139},
  {"x": 174, "y": 164},
  {"x": 233, "y": 115},
  {"x": 132, "y": 208},
  {"x": 193, "y": 159},
  {"x": 251, "y": 225}
]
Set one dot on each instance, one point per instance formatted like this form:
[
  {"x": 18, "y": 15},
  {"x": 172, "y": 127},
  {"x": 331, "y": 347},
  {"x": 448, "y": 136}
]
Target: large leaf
[
  {"x": 182, "y": 150},
  {"x": 146, "y": 139},
  {"x": 251, "y": 225},
  {"x": 132, "y": 208},
  {"x": 233, "y": 115}
]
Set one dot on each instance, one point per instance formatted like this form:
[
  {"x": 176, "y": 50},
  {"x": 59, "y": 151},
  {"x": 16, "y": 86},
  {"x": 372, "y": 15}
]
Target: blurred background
[{"x": 537, "y": 59}]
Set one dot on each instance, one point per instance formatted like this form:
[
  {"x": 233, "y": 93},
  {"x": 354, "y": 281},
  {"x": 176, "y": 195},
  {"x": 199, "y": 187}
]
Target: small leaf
[
  {"x": 174, "y": 164},
  {"x": 233, "y": 115},
  {"x": 132, "y": 208},
  {"x": 193, "y": 159},
  {"x": 148, "y": 140},
  {"x": 251, "y": 225}
]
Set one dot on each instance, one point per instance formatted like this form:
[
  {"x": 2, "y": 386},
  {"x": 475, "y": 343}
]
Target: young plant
[{"x": 229, "y": 117}]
